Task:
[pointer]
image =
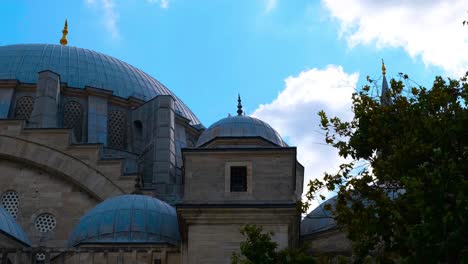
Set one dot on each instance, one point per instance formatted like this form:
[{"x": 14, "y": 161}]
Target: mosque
[{"x": 101, "y": 163}]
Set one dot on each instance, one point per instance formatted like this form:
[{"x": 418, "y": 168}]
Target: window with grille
[
  {"x": 73, "y": 118},
  {"x": 116, "y": 129},
  {"x": 24, "y": 107},
  {"x": 10, "y": 202},
  {"x": 238, "y": 179},
  {"x": 45, "y": 222}
]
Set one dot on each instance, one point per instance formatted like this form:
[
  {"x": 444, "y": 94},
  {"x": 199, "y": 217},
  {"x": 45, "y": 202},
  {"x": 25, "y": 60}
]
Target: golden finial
[
  {"x": 384, "y": 70},
  {"x": 64, "y": 40}
]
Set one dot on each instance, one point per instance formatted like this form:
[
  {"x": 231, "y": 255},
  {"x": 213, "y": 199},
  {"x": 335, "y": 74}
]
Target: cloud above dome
[
  {"x": 110, "y": 16},
  {"x": 430, "y": 29},
  {"x": 294, "y": 114}
]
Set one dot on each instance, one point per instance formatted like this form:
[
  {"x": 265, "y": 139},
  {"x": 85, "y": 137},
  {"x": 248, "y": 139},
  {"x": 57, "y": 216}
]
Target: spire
[
  {"x": 239, "y": 105},
  {"x": 384, "y": 70},
  {"x": 384, "y": 98},
  {"x": 63, "y": 40}
]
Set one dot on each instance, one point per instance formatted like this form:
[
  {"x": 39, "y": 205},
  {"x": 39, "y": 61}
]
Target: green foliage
[
  {"x": 260, "y": 249},
  {"x": 412, "y": 207}
]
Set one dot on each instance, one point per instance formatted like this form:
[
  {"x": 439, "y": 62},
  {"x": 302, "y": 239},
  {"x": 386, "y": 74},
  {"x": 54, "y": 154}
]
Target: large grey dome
[
  {"x": 81, "y": 67},
  {"x": 241, "y": 126}
]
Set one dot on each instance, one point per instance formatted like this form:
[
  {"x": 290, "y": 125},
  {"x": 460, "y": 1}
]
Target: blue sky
[{"x": 287, "y": 59}]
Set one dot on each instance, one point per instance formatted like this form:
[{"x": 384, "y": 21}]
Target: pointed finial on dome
[
  {"x": 384, "y": 96},
  {"x": 239, "y": 105},
  {"x": 384, "y": 70},
  {"x": 63, "y": 40}
]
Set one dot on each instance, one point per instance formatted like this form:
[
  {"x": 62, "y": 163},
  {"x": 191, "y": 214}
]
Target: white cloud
[
  {"x": 431, "y": 29},
  {"x": 162, "y": 3},
  {"x": 110, "y": 15},
  {"x": 294, "y": 115},
  {"x": 270, "y": 5}
]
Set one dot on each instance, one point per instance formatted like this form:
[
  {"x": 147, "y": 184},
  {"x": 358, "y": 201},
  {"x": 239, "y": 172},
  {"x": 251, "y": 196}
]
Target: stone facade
[
  {"x": 211, "y": 215},
  {"x": 206, "y": 175},
  {"x": 44, "y": 192},
  {"x": 93, "y": 254},
  {"x": 331, "y": 242}
]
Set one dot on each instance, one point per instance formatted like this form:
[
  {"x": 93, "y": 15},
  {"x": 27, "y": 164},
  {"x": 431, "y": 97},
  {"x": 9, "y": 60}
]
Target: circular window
[
  {"x": 45, "y": 222},
  {"x": 40, "y": 256},
  {"x": 10, "y": 202}
]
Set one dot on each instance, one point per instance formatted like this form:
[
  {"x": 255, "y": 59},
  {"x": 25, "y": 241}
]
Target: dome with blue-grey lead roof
[
  {"x": 10, "y": 227},
  {"x": 80, "y": 67},
  {"x": 128, "y": 219},
  {"x": 319, "y": 219},
  {"x": 241, "y": 126}
]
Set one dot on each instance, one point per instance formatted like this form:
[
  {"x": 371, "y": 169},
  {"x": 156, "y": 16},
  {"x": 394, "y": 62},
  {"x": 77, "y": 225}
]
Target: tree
[
  {"x": 260, "y": 249},
  {"x": 403, "y": 195}
]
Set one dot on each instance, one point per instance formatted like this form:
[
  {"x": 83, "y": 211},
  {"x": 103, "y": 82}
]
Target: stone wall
[
  {"x": 214, "y": 244},
  {"x": 131, "y": 254},
  {"x": 211, "y": 216},
  {"x": 274, "y": 169},
  {"x": 42, "y": 192},
  {"x": 211, "y": 235},
  {"x": 95, "y": 254},
  {"x": 331, "y": 242}
]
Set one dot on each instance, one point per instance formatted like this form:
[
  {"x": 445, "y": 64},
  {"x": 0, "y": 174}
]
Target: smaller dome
[
  {"x": 319, "y": 219},
  {"x": 241, "y": 126},
  {"x": 10, "y": 227},
  {"x": 128, "y": 219}
]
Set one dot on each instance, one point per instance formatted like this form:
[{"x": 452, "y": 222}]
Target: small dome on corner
[
  {"x": 241, "y": 126},
  {"x": 128, "y": 219},
  {"x": 10, "y": 227}
]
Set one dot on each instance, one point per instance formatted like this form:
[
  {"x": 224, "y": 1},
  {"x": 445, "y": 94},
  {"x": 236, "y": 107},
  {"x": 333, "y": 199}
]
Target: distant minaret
[
  {"x": 384, "y": 98},
  {"x": 63, "y": 40},
  {"x": 239, "y": 106}
]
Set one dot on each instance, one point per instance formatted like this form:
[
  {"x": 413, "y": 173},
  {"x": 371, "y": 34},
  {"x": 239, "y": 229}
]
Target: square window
[{"x": 238, "y": 179}]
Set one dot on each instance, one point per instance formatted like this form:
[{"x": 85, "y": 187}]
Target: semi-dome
[
  {"x": 128, "y": 219},
  {"x": 319, "y": 219},
  {"x": 241, "y": 126},
  {"x": 81, "y": 67},
  {"x": 10, "y": 227}
]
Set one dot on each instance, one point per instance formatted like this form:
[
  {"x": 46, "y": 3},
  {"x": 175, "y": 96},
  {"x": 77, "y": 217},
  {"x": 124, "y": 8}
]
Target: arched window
[
  {"x": 24, "y": 107},
  {"x": 10, "y": 202},
  {"x": 116, "y": 129},
  {"x": 73, "y": 118}
]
